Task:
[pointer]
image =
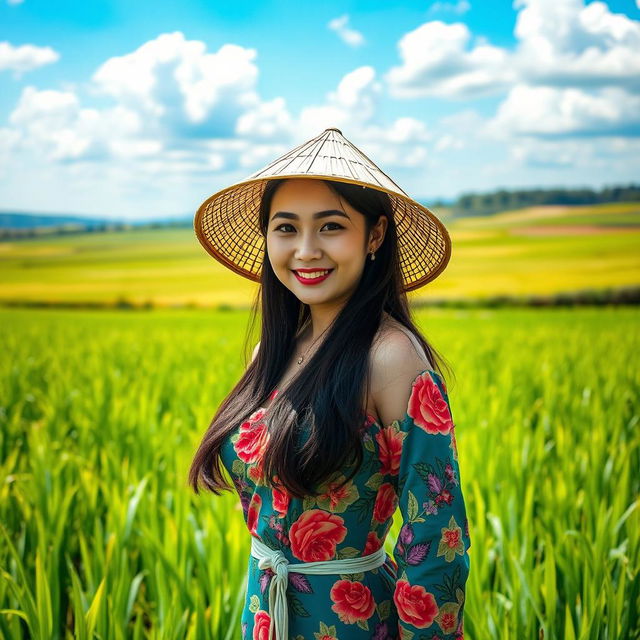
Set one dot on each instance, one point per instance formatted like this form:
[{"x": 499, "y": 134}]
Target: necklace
[{"x": 302, "y": 357}]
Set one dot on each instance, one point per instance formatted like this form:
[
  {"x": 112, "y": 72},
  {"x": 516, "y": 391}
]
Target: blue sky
[{"x": 138, "y": 109}]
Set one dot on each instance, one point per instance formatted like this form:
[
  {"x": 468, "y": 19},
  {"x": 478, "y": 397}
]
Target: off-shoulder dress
[{"x": 412, "y": 463}]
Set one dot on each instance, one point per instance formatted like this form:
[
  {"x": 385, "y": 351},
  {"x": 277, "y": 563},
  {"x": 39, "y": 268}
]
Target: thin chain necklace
[{"x": 302, "y": 357}]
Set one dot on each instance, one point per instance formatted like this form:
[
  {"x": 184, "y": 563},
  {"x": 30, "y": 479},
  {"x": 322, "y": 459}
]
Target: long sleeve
[{"x": 431, "y": 550}]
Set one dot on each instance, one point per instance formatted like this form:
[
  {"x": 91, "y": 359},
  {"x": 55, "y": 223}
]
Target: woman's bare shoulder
[
  {"x": 395, "y": 362},
  {"x": 394, "y": 341}
]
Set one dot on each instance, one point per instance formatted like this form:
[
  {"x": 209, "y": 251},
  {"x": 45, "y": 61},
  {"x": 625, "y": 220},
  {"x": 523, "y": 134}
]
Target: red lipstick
[{"x": 307, "y": 280}]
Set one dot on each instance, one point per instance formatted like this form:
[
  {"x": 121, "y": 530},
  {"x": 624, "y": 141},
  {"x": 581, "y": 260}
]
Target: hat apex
[{"x": 329, "y": 155}]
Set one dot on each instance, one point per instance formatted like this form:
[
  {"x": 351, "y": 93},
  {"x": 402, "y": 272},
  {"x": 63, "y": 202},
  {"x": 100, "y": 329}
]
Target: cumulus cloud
[
  {"x": 349, "y": 36},
  {"x": 351, "y": 104},
  {"x": 551, "y": 112},
  {"x": 436, "y": 61},
  {"x": 53, "y": 125},
  {"x": 181, "y": 86},
  {"x": 176, "y": 109},
  {"x": 26, "y": 57},
  {"x": 564, "y": 43},
  {"x": 180, "y": 109},
  {"x": 573, "y": 75},
  {"x": 560, "y": 43}
]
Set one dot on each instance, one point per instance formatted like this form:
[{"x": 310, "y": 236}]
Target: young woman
[{"x": 343, "y": 414}]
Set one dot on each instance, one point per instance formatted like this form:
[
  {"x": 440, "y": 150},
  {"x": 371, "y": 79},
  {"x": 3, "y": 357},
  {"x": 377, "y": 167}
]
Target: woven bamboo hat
[{"x": 227, "y": 224}]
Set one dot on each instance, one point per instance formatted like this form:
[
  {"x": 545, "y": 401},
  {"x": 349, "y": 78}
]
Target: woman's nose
[{"x": 307, "y": 248}]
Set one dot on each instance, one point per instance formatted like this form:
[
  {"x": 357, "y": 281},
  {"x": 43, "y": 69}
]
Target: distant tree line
[
  {"x": 468, "y": 204},
  {"x": 91, "y": 227},
  {"x": 479, "y": 204}
]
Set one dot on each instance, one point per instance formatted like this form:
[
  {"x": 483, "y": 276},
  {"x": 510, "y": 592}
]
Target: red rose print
[
  {"x": 427, "y": 406},
  {"x": 256, "y": 415},
  {"x": 390, "y": 446},
  {"x": 261, "y": 622},
  {"x": 315, "y": 535},
  {"x": 448, "y": 621},
  {"x": 373, "y": 544},
  {"x": 415, "y": 605},
  {"x": 352, "y": 601},
  {"x": 281, "y": 499},
  {"x": 251, "y": 441},
  {"x": 386, "y": 503},
  {"x": 253, "y": 511},
  {"x": 452, "y": 538}
]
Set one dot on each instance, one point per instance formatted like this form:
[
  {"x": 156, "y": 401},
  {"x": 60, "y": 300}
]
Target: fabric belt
[{"x": 275, "y": 560}]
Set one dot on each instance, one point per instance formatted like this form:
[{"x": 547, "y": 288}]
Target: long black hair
[{"x": 326, "y": 400}]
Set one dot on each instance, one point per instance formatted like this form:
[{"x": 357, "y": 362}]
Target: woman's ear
[{"x": 376, "y": 235}]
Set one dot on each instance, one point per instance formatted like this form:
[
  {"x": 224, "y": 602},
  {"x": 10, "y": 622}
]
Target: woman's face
[{"x": 310, "y": 228}]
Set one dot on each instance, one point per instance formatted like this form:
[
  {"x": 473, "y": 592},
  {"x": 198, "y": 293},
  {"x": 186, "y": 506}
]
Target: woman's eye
[
  {"x": 286, "y": 224},
  {"x": 279, "y": 227}
]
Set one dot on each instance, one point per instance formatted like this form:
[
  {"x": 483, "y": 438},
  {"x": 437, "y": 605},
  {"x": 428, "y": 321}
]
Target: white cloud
[
  {"x": 26, "y": 57},
  {"x": 460, "y": 7},
  {"x": 54, "y": 125},
  {"x": 565, "y": 43},
  {"x": 611, "y": 158},
  {"x": 352, "y": 103},
  {"x": 349, "y": 36},
  {"x": 172, "y": 100},
  {"x": 436, "y": 62},
  {"x": 359, "y": 91},
  {"x": 268, "y": 120},
  {"x": 177, "y": 83},
  {"x": 560, "y": 43},
  {"x": 399, "y": 145},
  {"x": 546, "y": 111}
]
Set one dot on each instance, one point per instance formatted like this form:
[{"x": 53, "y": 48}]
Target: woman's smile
[{"x": 311, "y": 276}]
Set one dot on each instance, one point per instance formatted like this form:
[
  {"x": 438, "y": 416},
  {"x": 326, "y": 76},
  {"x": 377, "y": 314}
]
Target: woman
[{"x": 341, "y": 415}]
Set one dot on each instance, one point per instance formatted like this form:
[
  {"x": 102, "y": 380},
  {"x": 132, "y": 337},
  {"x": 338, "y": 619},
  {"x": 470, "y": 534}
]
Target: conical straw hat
[{"x": 227, "y": 224}]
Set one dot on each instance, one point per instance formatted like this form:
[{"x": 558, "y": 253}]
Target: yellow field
[{"x": 540, "y": 250}]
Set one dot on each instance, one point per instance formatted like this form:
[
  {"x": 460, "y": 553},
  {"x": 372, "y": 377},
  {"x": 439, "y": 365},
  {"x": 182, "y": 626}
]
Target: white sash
[{"x": 275, "y": 560}]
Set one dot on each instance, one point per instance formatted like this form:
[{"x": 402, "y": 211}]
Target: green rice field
[{"x": 101, "y": 411}]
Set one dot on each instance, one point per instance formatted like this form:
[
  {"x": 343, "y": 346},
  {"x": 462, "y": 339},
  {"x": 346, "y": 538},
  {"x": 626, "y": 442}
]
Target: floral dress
[{"x": 419, "y": 593}]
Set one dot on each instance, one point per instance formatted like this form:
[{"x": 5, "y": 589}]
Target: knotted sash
[{"x": 275, "y": 560}]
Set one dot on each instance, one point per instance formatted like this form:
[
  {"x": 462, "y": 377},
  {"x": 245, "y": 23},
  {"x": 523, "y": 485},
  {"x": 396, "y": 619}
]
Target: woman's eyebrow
[{"x": 320, "y": 214}]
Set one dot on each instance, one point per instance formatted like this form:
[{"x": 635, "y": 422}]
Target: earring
[{"x": 373, "y": 255}]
